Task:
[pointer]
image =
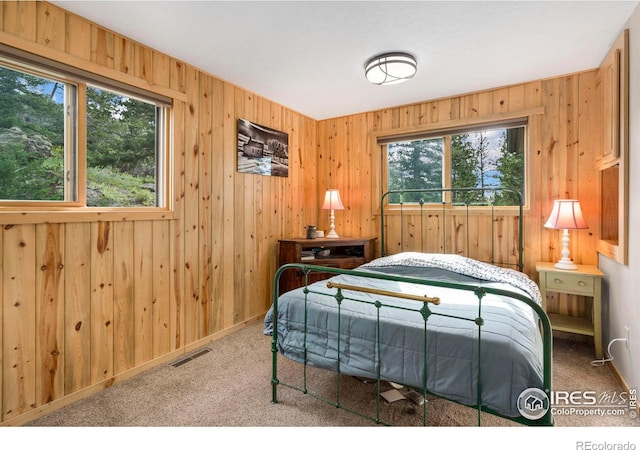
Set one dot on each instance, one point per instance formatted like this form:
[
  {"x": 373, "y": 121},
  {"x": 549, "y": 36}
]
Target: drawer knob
[
  {"x": 557, "y": 280},
  {"x": 581, "y": 283}
]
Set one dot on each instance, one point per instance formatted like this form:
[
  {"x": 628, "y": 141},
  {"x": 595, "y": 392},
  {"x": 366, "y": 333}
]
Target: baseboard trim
[{"x": 623, "y": 383}]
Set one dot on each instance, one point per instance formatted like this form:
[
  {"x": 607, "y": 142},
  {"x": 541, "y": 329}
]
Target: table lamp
[
  {"x": 566, "y": 215},
  {"x": 332, "y": 202}
]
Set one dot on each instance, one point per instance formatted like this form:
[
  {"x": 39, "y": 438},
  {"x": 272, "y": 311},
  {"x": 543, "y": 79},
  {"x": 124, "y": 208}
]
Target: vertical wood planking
[
  {"x": 177, "y": 314},
  {"x": 143, "y": 291},
  {"x": 191, "y": 209},
  {"x": 123, "y": 282},
  {"x": 241, "y": 219},
  {"x": 205, "y": 185},
  {"x": 50, "y": 242},
  {"x": 123, "y": 55},
  {"x": 102, "y": 47},
  {"x": 177, "y": 74},
  {"x": 20, "y": 19},
  {"x": 50, "y": 26},
  {"x": 217, "y": 208},
  {"x": 229, "y": 162},
  {"x": 161, "y": 292},
  {"x": 143, "y": 62},
  {"x": 102, "y": 298},
  {"x": 549, "y": 188},
  {"x": 176, "y": 282},
  {"x": 588, "y": 121},
  {"x": 160, "y": 69},
  {"x": 77, "y": 37},
  {"x": 19, "y": 313},
  {"x": 249, "y": 261},
  {"x": 77, "y": 307}
]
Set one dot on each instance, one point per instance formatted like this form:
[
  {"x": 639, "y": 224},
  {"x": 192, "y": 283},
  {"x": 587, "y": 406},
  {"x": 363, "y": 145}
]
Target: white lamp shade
[
  {"x": 566, "y": 215},
  {"x": 332, "y": 200},
  {"x": 390, "y": 68}
]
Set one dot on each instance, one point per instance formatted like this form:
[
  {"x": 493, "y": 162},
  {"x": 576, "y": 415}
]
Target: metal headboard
[{"x": 422, "y": 208}]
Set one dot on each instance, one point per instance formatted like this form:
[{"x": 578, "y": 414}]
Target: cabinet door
[
  {"x": 610, "y": 82},
  {"x": 613, "y": 157}
]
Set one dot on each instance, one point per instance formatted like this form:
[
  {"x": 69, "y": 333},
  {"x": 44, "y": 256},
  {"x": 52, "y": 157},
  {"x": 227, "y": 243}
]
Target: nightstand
[
  {"x": 585, "y": 281},
  {"x": 342, "y": 253}
]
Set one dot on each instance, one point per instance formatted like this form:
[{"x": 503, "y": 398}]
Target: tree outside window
[
  {"x": 484, "y": 158},
  {"x": 39, "y": 158}
]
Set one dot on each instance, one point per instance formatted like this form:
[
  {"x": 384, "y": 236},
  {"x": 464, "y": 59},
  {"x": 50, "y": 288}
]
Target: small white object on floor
[
  {"x": 392, "y": 395},
  {"x": 401, "y": 392}
]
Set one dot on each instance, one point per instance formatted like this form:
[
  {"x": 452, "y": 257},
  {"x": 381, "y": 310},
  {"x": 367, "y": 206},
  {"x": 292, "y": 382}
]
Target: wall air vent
[{"x": 186, "y": 359}]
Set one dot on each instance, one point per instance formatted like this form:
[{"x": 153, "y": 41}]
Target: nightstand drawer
[{"x": 570, "y": 283}]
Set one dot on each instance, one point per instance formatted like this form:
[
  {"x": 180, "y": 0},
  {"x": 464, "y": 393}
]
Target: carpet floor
[{"x": 229, "y": 386}]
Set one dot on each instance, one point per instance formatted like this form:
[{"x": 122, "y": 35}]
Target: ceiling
[{"x": 309, "y": 55}]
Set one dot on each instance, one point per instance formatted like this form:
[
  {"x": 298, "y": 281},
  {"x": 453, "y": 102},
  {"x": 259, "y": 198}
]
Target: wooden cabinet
[
  {"x": 585, "y": 281},
  {"x": 609, "y": 73},
  {"x": 342, "y": 253},
  {"x": 613, "y": 151}
]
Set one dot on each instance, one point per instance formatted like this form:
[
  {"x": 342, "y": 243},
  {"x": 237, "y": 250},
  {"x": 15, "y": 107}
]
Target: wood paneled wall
[
  {"x": 564, "y": 132},
  {"x": 87, "y": 299}
]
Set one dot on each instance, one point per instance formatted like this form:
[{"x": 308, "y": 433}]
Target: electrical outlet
[{"x": 626, "y": 336}]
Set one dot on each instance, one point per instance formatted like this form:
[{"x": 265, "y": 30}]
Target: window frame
[
  {"x": 446, "y": 129},
  {"x": 38, "y": 211}
]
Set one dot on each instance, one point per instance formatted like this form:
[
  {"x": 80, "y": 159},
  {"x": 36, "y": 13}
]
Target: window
[
  {"x": 481, "y": 157},
  {"x": 122, "y": 150},
  {"x": 69, "y": 138},
  {"x": 34, "y": 132}
]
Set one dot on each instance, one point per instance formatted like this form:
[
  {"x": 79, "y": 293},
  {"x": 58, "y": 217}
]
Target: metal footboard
[{"x": 342, "y": 293}]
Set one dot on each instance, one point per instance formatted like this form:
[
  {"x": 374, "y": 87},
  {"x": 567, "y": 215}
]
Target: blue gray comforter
[{"x": 511, "y": 355}]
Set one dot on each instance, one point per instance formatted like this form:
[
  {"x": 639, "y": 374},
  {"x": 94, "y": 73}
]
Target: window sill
[{"x": 69, "y": 215}]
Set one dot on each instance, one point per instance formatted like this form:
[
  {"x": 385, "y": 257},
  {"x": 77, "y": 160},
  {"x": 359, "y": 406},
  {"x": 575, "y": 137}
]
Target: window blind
[{"x": 447, "y": 131}]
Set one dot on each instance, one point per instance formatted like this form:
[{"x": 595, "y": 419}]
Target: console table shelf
[{"x": 343, "y": 253}]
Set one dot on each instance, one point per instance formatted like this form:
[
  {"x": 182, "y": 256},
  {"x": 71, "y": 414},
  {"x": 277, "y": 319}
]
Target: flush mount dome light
[{"x": 390, "y": 68}]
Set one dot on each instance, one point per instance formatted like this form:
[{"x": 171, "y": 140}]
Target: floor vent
[{"x": 191, "y": 357}]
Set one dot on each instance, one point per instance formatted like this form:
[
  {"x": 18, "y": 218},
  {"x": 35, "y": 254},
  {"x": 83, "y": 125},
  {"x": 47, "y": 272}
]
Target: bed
[{"x": 444, "y": 324}]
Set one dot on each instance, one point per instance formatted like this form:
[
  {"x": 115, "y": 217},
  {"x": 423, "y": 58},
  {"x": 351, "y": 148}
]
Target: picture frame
[{"x": 262, "y": 150}]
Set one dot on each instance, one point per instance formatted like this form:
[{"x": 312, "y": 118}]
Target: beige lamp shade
[
  {"x": 566, "y": 215},
  {"x": 332, "y": 202}
]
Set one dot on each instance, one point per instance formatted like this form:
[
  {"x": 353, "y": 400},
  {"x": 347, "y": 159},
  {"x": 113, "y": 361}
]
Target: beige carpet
[{"x": 229, "y": 386}]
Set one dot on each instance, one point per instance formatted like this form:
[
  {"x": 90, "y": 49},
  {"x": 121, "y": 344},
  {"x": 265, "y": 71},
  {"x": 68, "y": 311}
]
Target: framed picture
[{"x": 262, "y": 150}]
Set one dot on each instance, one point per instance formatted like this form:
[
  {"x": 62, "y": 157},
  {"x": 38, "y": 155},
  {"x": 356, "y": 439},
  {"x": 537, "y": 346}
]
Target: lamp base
[
  {"x": 565, "y": 264},
  {"x": 332, "y": 227}
]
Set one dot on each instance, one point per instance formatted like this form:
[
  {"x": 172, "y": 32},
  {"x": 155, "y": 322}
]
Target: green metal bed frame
[
  {"x": 341, "y": 295},
  {"x": 425, "y": 208}
]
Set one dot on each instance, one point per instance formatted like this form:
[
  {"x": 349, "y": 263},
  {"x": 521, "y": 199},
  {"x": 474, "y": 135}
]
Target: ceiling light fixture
[{"x": 390, "y": 68}]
